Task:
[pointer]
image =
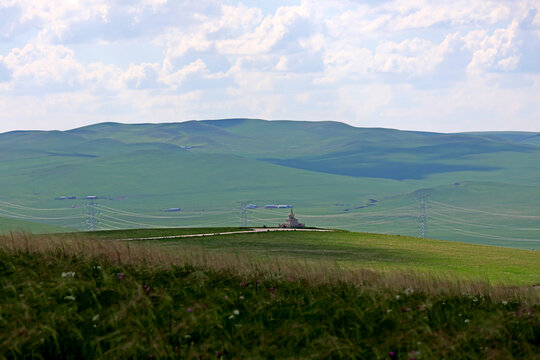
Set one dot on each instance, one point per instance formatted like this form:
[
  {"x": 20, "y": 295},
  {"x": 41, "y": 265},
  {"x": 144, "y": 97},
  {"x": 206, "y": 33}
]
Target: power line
[
  {"x": 480, "y": 235},
  {"x": 20, "y": 207},
  {"x": 485, "y": 212},
  {"x": 127, "y": 221},
  {"x": 243, "y": 212},
  {"x": 14, "y": 215},
  {"x": 454, "y": 220},
  {"x": 147, "y": 216}
]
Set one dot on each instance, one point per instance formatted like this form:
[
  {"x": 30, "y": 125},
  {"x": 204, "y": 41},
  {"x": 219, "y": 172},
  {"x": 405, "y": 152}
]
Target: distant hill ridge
[{"x": 328, "y": 147}]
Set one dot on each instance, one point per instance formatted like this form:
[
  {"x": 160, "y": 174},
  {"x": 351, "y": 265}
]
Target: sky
[{"x": 446, "y": 66}]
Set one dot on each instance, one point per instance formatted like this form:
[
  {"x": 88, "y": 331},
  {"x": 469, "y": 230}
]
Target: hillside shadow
[{"x": 378, "y": 169}]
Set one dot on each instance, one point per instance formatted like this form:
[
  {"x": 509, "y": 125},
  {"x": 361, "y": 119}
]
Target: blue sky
[{"x": 412, "y": 64}]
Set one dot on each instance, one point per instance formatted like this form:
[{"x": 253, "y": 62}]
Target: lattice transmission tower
[
  {"x": 422, "y": 228},
  {"x": 91, "y": 221}
]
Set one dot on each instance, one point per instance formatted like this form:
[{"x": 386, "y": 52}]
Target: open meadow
[{"x": 265, "y": 295}]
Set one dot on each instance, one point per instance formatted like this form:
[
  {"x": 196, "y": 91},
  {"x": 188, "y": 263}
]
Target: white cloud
[
  {"x": 282, "y": 64},
  {"x": 176, "y": 78},
  {"x": 42, "y": 64},
  {"x": 368, "y": 63},
  {"x": 179, "y": 42},
  {"x": 498, "y": 51},
  {"x": 143, "y": 76}
]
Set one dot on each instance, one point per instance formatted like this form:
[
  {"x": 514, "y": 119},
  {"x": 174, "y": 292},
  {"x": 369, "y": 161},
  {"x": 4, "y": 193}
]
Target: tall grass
[
  {"x": 242, "y": 264},
  {"x": 83, "y": 298}
]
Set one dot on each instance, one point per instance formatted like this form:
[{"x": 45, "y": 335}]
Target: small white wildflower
[
  {"x": 241, "y": 297},
  {"x": 68, "y": 273},
  {"x": 188, "y": 336},
  {"x": 504, "y": 302},
  {"x": 397, "y": 297},
  {"x": 95, "y": 318},
  {"x": 388, "y": 311},
  {"x": 475, "y": 299},
  {"x": 226, "y": 297},
  {"x": 69, "y": 297},
  {"x": 408, "y": 291},
  {"x": 236, "y": 312},
  {"x": 466, "y": 321},
  {"x": 231, "y": 317},
  {"x": 97, "y": 267}
]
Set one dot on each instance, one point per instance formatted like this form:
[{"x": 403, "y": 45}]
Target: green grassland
[
  {"x": 70, "y": 299},
  {"x": 8, "y": 225},
  {"x": 351, "y": 250},
  {"x": 483, "y": 187}
]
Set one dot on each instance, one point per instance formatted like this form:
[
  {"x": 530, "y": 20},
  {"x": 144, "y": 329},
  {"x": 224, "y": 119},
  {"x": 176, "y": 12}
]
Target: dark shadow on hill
[{"x": 383, "y": 169}]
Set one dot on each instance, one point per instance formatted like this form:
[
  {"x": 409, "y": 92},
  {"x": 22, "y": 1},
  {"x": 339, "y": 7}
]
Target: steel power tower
[
  {"x": 422, "y": 216},
  {"x": 91, "y": 221}
]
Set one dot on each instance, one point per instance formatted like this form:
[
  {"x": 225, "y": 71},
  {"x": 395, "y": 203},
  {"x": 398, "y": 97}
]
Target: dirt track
[{"x": 254, "y": 230}]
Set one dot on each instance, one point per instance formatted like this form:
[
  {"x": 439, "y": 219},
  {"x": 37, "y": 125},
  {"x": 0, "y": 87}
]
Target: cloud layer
[{"x": 408, "y": 64}]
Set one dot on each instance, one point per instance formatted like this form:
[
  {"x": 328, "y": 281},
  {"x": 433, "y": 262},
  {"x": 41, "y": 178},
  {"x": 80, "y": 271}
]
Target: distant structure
[{"x": 292, "y": 222}]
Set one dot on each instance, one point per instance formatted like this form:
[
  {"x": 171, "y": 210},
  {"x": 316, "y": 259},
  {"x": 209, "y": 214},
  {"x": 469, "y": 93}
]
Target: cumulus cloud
[
  {"x": 39, "y": 65},
  {"x": 496, "y": 51},
  {"x": 142, "y": 76}
]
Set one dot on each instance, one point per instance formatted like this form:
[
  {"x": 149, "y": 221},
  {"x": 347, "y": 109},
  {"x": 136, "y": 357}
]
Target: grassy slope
[
  {"x": 381, "y": 252},
  {"x": 86, "y": 300},
  {"x": 145, "y": 166},
  {"x": 12, "y": 225}
]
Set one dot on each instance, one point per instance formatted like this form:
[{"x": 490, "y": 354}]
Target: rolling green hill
[
  {"x": 8, "y": 225},
  {"x": 478, "y": 187}
]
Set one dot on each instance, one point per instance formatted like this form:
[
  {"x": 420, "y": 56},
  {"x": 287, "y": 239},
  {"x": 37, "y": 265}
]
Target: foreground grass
[{"x": 89, "y": 299}]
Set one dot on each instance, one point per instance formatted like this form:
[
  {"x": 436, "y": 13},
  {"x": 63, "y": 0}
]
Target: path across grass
[{"x": 243, "y": 231}]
